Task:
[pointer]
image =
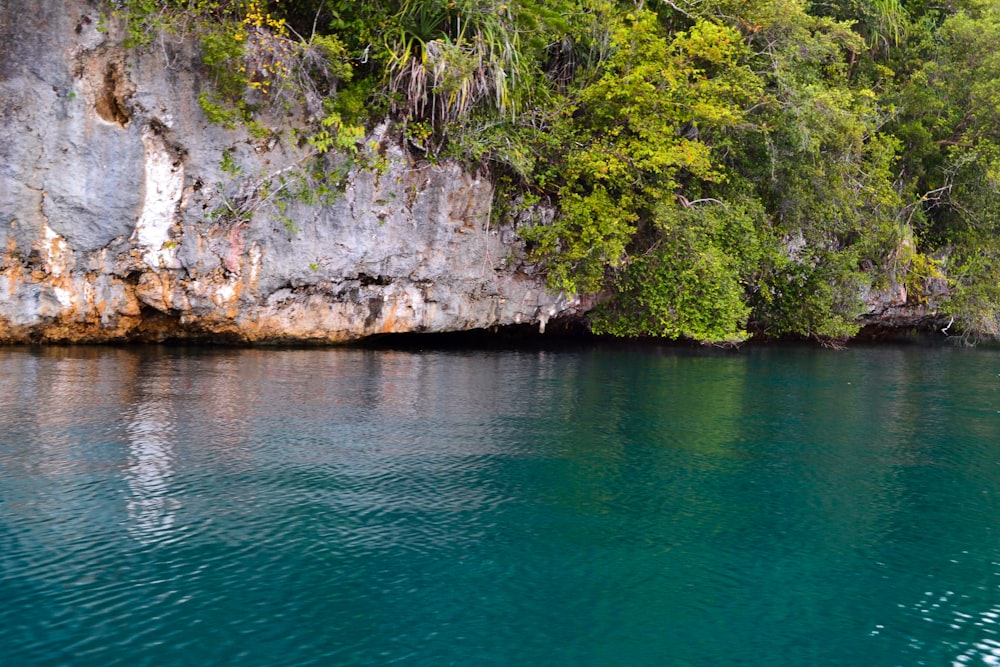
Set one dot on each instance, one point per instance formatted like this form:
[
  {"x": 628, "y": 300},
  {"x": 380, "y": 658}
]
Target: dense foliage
[{"x": 718, "y": 167}]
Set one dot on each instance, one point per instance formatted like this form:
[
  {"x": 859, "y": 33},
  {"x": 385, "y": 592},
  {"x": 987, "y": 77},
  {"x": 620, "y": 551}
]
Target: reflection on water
[
  {"x": 183, "y": 506},
  {"x": 150, "y": 429}
]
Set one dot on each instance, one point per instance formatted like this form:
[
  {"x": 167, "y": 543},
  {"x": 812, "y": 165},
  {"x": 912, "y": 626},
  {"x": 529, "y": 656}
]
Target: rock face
[{"x": 126, "y": 215}]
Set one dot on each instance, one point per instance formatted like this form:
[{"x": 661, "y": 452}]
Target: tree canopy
[{"x": 718, "y": 168}]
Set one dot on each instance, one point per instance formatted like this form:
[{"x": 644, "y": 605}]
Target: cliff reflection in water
[{"x": 150, "y": 426}]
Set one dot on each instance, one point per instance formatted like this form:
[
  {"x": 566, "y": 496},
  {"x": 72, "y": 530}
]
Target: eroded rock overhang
[{"x": 125, "y": 214}]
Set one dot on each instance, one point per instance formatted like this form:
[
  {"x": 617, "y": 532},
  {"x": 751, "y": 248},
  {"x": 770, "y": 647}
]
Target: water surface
[{"x": 171, "y": 506}]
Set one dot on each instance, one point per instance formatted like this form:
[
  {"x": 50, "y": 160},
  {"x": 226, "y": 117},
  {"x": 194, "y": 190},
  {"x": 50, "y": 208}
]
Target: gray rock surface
[{"x": 118, "y": 222}]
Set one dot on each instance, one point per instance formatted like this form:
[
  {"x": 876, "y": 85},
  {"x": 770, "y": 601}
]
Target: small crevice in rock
[
  {"x": 84, "y": 20},
  {"x": 132, "y": 278},
  {"x": 112, "y": 95},
  {"x": 367, "y": 280},
  {"x": 107, "y": 85}
]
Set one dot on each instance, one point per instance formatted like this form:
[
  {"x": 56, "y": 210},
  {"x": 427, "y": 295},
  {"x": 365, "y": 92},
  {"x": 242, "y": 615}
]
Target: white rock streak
[
  {"x": 164, "y": 187},
  {"x": 55, "y": 252}
]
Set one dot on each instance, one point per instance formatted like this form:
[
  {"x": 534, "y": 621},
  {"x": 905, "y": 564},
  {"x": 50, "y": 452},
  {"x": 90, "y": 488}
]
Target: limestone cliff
[{"x": 119, "y": 202}]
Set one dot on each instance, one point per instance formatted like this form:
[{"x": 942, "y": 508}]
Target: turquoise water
[{"x": 170, "y": 506}]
